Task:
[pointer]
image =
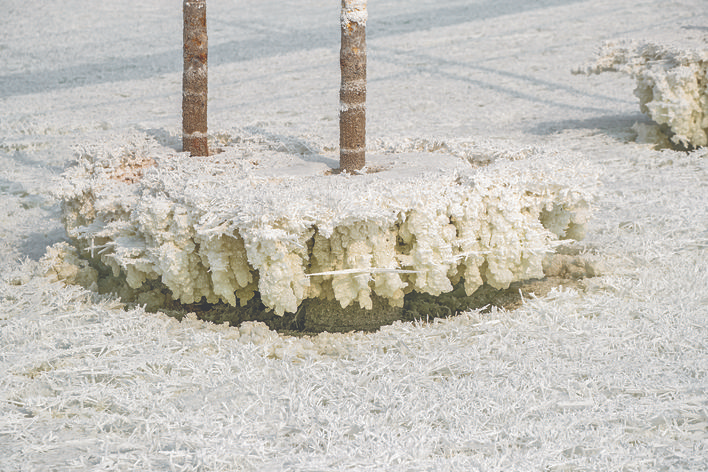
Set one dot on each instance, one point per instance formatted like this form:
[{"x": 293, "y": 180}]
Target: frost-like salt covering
[
  {"x": 255, "y": 218},
  {"x": 671, "y": 84},
  {"x": 354, "y": 11}
]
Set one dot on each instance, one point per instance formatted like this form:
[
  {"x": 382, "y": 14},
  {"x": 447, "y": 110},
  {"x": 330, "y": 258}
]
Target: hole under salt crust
[{"x": 288, "y": 241}]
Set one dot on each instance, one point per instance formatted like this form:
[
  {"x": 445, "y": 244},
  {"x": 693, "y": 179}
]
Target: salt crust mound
[
  {"x": 671, "y": 84},
  {"x": 255, "y": 218}
]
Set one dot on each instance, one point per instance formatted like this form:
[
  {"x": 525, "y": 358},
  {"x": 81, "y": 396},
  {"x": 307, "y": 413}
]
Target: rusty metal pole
[
  {"x": 194, "y": 79},
  {"x": 352, "y": 93}
]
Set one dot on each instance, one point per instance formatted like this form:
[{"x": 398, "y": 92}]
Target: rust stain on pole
[
  {"x": 352, "y": 93},
  {"x": 194, "y": 79}
]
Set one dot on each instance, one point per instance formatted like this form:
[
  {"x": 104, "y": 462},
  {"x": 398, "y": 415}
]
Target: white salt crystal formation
[
  {"x": 64, "y": 264},
  {"x": 255, "y": 218},
  {"x": 671, "y": 84}
]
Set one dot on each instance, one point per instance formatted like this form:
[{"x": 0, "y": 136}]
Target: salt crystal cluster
[
  {"x": 257, "y": 219},
  {"x": 64, "y": 264},
  {"x": 354, "y": 11},
  {"x": 671, "y": 84}
]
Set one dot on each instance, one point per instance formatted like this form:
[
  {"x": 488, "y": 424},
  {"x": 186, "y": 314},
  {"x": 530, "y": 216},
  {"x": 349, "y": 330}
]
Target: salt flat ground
[{"x": 613, "y": 378}]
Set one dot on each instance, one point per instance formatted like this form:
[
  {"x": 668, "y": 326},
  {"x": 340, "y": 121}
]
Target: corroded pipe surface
[
  {"x": 194, "y": 79},
  {"x": 352, "y": 94}
]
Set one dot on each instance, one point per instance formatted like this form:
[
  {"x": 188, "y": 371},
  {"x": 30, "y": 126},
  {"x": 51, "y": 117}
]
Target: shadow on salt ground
[
  {"x": 615, "y": 126},
  {"x": 292, "y": 145},
  {"x": 9, "y": 186},
  {"x": 30, "y": 161},
  {"x": 531, "y": 89},
  {"x": 277, "y": 43},
  {"x": 695, "y": 27},
  {"x": 34, "y": 245},
  {"x": 164, "y": 137},
  {"x": 442, "y": 16},
  {"x": 276, "y": 142}
]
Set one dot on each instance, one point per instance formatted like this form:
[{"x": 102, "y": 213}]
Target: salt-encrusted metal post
[
  {"x": 194, "y": 79},
  {"x": 352, "y": 93}
]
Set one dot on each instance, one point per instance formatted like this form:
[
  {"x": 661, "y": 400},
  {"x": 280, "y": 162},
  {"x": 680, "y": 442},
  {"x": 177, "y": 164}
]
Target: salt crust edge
[
  {"x": 671, "y": 83},
  {"x": 227, "y": 226}
]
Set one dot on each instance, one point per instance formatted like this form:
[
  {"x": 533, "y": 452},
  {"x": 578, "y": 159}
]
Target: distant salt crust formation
[
  {"x": 254, "y": 218},
  {"x": 671, "y": 84}
]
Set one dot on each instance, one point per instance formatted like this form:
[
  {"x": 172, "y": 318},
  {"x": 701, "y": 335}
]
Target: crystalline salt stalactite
[
  {"x": 421, "y": 225},
  {"x": 671, "y": 84}
]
